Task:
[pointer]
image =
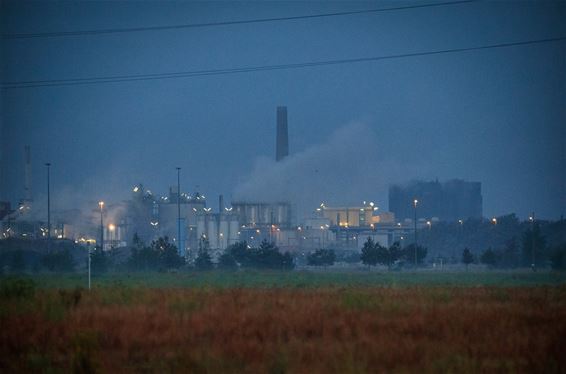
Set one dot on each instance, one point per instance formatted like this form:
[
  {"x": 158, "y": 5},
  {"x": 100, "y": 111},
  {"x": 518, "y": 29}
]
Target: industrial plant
[{"x": 186, "y": 218}]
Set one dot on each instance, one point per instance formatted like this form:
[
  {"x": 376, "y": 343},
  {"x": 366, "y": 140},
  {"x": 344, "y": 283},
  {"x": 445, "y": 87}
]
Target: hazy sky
[{"x": 497, "y": 116}]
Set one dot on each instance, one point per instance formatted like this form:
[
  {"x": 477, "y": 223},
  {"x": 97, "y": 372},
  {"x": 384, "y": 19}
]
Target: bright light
[
  {"x": 371, "y": 203},
  {"x": 415, "y": 202},
  {"x": 136, "y": 189},
  {"x": 299, "y": 228},
  {"x": 111, "y": 227},
  {"x": 375, "y": 208},
  {"x": 228, "y": 209},
  {"x": 257, "y": 231},
  {"x": 494, "y": 221},
  {"x": 460, "y": 222},
  {"x": 101, "y": 204},
  {"x": 322, "y": 227},
  {"x": 221, "y": 234}
]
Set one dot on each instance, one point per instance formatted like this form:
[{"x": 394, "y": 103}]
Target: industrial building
[
  {"x": 449, "y": 201},
  {"x": 220, "y": 229}
]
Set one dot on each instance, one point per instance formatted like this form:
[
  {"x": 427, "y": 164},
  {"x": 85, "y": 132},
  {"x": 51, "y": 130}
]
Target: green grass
[{"x": 301, "y": 279}]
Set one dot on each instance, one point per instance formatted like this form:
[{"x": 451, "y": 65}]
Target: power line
[
  {"x": 222, "y": 23},
  {"x": 249, "y": 69}
]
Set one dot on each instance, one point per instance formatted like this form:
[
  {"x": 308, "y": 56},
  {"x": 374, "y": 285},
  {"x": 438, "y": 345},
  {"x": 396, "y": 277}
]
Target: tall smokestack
[
  {"x": 27, "y": 173},
  {"x": 282, "y": 142}
]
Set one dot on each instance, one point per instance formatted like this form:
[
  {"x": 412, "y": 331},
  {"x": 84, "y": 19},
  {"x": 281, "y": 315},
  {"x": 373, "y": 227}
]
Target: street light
[
  {"x": 532, "y": 219},
  {"x": 179, "y": 211},
  {"x": 101, "y": 205},
  {"x": 415, "y": 202},
  {"x": 88, "y": 248},
  {"x": 494, "y": 221},
  {"x": 48, "y": 207}
]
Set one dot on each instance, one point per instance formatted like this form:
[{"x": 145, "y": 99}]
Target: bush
[
  {"x": 489, "y": 257},
  {"x": 203, "y": 261},
  {"x": 267, "y": 256},
  {"x": 321, "y": 257},
  {"x": 99, "y": 261},
  {"x": 227, "y": 262},
  {"x": 558, "y": 258},
  {"x": 467, "y": 257},
  {"x": 58, "y": 261}
]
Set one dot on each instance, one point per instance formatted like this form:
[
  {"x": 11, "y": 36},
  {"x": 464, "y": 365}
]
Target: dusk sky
[{"x": 496, "y": 116}]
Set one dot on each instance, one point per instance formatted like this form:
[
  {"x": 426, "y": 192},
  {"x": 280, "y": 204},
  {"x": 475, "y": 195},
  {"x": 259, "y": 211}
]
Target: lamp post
[
  {"x": 415, "y": 202},
  {"x": 532, "y": 219},
  {"x": 101, "y": 205},
  {"x": 88, "y": 248},
  {"x": 179, "y": 241},
  {"x": 48, "y": 207}
]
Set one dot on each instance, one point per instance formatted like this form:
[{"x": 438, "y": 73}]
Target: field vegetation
[{"x": 268, "y": 322}]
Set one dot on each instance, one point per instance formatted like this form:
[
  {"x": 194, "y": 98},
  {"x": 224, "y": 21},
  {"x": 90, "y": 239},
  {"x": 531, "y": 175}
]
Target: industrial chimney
[
  {"x": 282, "y": 142},
  {"x": 27, "y": 175}
]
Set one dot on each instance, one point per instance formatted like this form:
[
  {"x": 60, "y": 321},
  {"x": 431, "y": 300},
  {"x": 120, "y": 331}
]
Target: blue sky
[{"x": 496, "y": 116}]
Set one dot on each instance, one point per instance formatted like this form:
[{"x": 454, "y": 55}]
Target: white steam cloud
[{"x": 346, "y": 169}]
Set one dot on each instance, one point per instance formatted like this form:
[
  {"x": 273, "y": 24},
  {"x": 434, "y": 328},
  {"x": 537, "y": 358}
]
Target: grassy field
[
  {"x": 305, "y": 279},
  {"x": 301, "y": 322}
]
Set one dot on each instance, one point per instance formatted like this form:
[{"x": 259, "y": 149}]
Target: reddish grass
[{"x": 286, "y": 330}]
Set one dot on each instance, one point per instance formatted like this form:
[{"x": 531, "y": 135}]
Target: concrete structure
[
  {"x": 252, "y": 214},
  {"x": 347, "y": 216},
  {"x": 449, "y": 201},
  {"x": 150, "y": 217},
  {"x": 282, "y": 141},
  {"x": 220, "y": 229}
]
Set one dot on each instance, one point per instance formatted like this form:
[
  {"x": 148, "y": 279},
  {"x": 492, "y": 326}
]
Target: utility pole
[
  {"x": 48, "y": 208},
  {"x": 532, "y": 218},
  {"x": 101, "y": 205},
  {"x": 88, "y": 248},
  {"x": 179, "y": 241},
  {"x": 415, "y": 202}
]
